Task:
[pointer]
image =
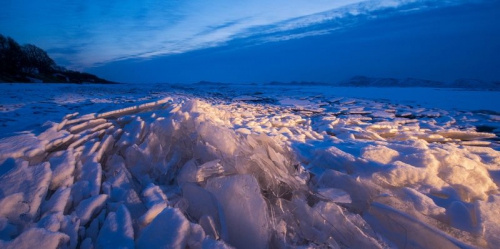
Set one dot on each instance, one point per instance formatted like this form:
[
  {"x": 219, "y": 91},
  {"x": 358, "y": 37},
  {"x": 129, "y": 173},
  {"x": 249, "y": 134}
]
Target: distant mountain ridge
[{"x": 364, "y": 81}]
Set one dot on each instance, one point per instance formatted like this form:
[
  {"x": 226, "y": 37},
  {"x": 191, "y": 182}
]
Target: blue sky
[{"x": 261, "y": 41}]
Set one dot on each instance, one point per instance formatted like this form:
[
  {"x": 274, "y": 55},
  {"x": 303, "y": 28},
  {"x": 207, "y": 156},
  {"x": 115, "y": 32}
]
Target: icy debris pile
[{"x": 187, "y": 173}]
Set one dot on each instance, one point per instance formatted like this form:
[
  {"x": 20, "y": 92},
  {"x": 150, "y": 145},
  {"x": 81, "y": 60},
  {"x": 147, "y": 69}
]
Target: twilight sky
[{"x": 261, "y": 40}]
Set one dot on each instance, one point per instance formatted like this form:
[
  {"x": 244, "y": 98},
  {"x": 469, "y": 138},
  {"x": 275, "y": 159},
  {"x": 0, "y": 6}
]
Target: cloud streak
[{"x": 83, "y": 34}]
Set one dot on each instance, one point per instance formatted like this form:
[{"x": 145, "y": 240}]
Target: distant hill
[
  {"x": 210, "y": 83},
  {"x": 363, "y": 81},
  {"x": 299, "y": 83},
  {"x": 29, "y": 63}
]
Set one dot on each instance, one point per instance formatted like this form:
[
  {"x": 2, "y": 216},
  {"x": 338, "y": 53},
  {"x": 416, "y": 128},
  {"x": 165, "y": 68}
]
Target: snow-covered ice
[{"x": 180, "y": 166}]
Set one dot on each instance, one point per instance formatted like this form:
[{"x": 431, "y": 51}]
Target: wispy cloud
[
  {"x": 87, "y": 33},
  {"x": 332, "y": 20}
]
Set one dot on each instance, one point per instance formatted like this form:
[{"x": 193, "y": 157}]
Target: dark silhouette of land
[{"x": 31, "y": 64}]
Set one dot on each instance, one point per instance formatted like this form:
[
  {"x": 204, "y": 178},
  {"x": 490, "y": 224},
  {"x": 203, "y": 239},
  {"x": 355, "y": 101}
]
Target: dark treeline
[{"x": 29, "y": 63}]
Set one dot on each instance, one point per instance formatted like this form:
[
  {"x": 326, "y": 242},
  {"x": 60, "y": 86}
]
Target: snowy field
[{"x": 248, "y": 166}]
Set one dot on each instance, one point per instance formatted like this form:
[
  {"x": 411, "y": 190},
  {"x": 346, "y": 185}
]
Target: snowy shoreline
[{"x": 247, "y": 167}]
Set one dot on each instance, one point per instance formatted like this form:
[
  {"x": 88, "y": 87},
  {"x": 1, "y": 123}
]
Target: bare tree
[
  {"x": 35, "y": 57},
  {"x": 10, "y": 55}
]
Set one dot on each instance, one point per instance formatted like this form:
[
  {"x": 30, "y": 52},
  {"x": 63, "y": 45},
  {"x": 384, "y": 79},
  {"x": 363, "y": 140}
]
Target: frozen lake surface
[{"x": 248, "y": 166}]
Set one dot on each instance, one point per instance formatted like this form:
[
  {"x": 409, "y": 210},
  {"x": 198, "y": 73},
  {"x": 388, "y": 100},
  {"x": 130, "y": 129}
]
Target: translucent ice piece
[
  {"x": 170, "y": 229},
  {"x": 244, "y": 208},
  {"x": 117, "y": 231},
  {"x": 335, "y": 195}
]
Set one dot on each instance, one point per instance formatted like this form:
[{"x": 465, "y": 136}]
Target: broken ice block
[
  {"x": 204, "y": 207},
  {"x": 170, "y": 229},
  {"x": 244, "y": 208},
  {"x": 335, "y": 195},
  {"x": 117, "y": 231}
]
